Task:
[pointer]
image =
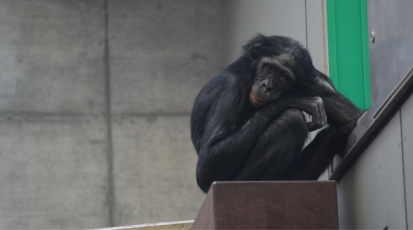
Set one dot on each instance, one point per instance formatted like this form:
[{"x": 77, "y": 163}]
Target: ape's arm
[
  {"x": 339, "y": 110},
  {"x": 342, "y": 117}
]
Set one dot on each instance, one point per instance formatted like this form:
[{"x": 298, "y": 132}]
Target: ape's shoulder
[{"x": 219, "y": 86}]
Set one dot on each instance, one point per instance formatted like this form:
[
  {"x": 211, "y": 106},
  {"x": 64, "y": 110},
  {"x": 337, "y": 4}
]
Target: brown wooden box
[{"x": 269, "y": 205}]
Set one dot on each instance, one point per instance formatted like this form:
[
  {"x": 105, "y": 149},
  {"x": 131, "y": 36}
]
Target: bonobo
[{"x": 247, "y": 121}]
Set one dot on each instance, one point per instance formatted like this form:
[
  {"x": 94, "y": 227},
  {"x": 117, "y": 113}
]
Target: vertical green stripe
[{"x": 348, "y": 49}]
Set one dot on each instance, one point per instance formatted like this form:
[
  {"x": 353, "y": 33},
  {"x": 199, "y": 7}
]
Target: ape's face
[{"x": 273, "y": 79}]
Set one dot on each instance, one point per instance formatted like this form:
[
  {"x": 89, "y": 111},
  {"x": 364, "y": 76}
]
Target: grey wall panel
[
  {"x": 316, "y": 34},
  {"x": 53, "y": 173},
  {"x": 160, "y": 84},
  {"x": 162, "y": 53},
  {"x": 53, "y": 151},
  {"x": 51, "y": 56},
  {"x": 391, "y": 55},
  {"x": 407, "y": 130},
  {"x": 371, "y": 194},
  {"x": 154, "y": 170},
  {"x": 245, "y": 18}
]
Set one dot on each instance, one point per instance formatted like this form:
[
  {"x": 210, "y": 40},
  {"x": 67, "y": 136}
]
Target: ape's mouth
[{"x": 255, "y": 101}]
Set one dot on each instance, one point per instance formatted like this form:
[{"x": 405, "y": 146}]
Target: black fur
[{"x": 238, "y": 141}]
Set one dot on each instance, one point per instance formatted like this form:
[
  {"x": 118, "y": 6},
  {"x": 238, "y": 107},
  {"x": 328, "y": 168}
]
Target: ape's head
[{"x": 281, "y": 66}]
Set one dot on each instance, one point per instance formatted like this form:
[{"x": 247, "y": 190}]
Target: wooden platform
[{"x": 269, "y": 205}]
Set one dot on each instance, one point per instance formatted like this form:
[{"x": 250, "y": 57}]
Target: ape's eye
[
  {"x": 283, "y": 78},
  {"x": 269, "y": 68}
]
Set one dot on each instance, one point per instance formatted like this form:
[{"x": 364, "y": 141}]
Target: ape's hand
[{"x": 316, "y": 110}]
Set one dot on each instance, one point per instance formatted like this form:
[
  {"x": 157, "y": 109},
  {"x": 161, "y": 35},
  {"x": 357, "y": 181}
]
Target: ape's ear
[
  {"x": 253, "y": 45},
  {"x": 255, "y": 42}
]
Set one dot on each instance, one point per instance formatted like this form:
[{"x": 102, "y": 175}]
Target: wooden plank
[{"x": 269, "y": 205}]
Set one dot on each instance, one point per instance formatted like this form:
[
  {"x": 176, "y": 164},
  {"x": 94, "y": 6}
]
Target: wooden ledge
[{"x": 269, "y": 205}]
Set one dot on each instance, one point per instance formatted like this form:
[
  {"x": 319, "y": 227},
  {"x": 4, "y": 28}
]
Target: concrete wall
[
  {"x": 161, "y": 54},
  {"x": 53, "y": 145},
  {"x": 95, "y": 99}
]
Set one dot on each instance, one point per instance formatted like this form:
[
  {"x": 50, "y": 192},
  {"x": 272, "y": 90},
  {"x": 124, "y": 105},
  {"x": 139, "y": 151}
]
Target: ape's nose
[{"x": 266, "y": 85}]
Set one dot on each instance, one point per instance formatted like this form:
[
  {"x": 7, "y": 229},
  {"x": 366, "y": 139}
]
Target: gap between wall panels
[{"x": 110, "y": 192}]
